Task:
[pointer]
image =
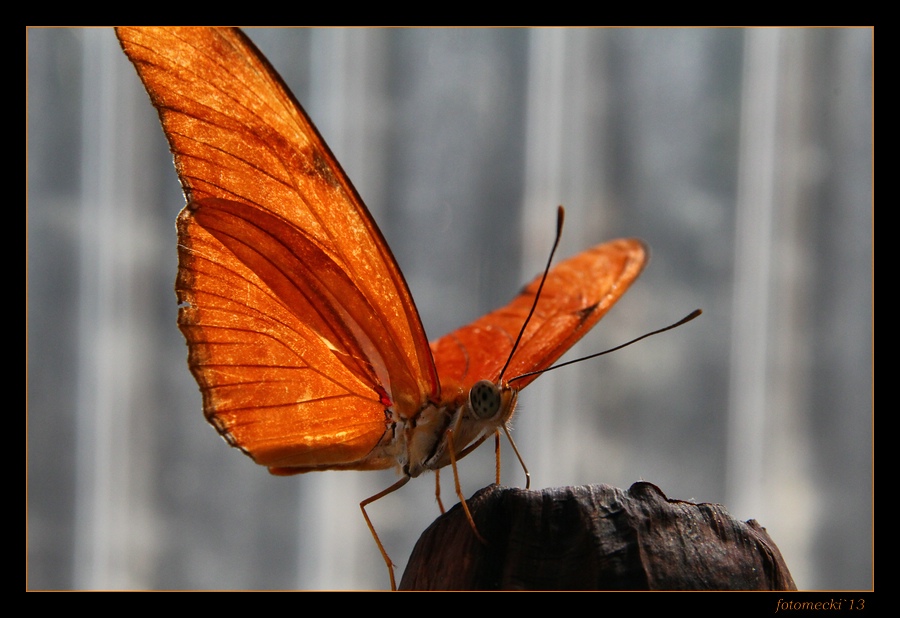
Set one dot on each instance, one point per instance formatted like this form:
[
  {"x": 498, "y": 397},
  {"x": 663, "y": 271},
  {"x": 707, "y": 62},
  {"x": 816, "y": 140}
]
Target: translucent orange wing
[
  {"x": 577, "y": 293},
  {"x": 300, "y": 327}
]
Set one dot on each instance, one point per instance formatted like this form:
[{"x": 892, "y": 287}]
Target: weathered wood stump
[{"x": 594, "y": 537}]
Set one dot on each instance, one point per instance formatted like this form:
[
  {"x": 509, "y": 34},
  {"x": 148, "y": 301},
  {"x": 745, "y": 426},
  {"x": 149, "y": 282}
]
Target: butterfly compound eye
[{"x": 484, "y": 399}]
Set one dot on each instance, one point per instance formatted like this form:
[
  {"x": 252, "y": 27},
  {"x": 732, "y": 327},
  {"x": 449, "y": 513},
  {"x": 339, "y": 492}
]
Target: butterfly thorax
[{"x": 425, "y": 441}]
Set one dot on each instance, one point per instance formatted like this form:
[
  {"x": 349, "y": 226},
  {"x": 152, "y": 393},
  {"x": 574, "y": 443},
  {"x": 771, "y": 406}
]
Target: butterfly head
[
  {"x": 488, "y": 407},
  {"x": 459, "y": 425}
]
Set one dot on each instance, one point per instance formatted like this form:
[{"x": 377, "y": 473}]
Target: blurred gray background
[{"x": 743, "y": 157}]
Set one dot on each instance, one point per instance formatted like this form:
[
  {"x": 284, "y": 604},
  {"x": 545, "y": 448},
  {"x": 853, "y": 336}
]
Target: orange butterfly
[{"x": 301, "y": 330}]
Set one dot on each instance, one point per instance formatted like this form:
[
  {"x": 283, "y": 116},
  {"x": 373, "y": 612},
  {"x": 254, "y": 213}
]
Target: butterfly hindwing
[{"x": 577, "y": 293}]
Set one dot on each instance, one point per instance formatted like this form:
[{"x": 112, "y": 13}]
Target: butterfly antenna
[
  {"x": 560, "y": 217},
  {"x": 693, "y": 314}
]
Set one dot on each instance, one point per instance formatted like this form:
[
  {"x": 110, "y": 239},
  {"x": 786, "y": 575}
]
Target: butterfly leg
[
  {"x": 516, "y": 451},
  {"x": 459, "y": 493},
  {"x": 363, "y": 505},
  {"x": 497, "y": 453},
  {"x": 437, "y": 490}
]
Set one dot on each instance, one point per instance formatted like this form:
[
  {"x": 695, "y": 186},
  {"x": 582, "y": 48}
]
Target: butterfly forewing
[{"x": 275, "y": 241}]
